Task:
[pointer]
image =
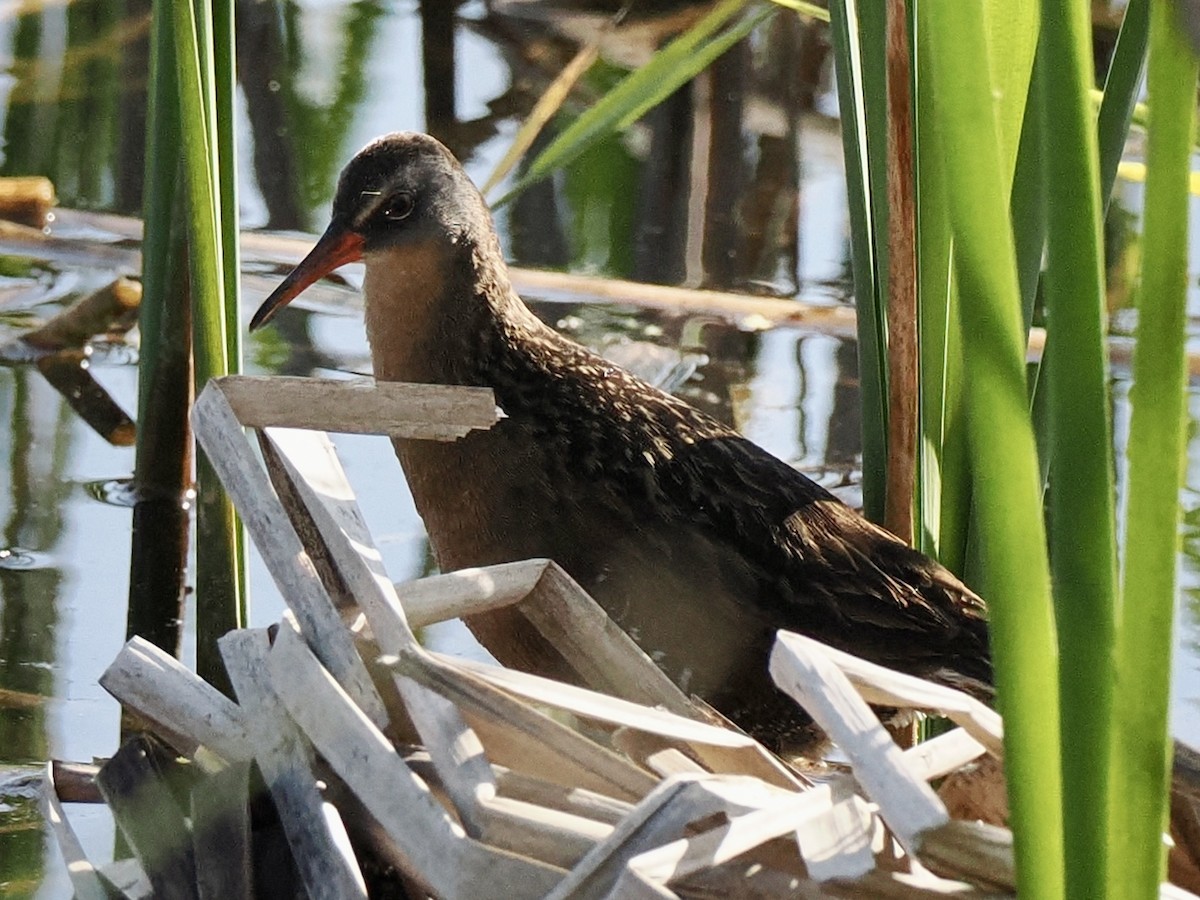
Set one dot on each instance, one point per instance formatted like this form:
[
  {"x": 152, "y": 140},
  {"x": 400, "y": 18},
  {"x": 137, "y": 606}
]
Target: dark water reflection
[
  {"x": 735, "y": 182},
  {"x": 29, "y": 608}
]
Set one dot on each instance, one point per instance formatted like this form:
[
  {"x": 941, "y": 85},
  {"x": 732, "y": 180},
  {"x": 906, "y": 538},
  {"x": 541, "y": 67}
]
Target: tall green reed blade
[
  {"x": 943, "y": 498},
  {"x": 1121, "y": 91},
  {"x": 1117, "y": 108},
  {"x": 943, "y": 491},
  {"x": 1155, "y": 454},
  {"x": 1006, "y": 497},
  {"x": 218, "y": 588},
  {"x": 861, "y": 88},
  {"x": 1028, "y": 203},
  {"x": 1080, "y": 504},
  {"x": 225, "y": 91},
  {"x": 1029, "y": 233},
  {"x": 226, "y": 563},
  {"x": 162, "y": 177},
  {"x": 162, "y": 472}
]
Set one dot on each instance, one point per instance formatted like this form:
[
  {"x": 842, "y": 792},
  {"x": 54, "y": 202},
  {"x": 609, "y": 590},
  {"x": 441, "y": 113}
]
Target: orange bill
[{"x": 337, "y": 246}]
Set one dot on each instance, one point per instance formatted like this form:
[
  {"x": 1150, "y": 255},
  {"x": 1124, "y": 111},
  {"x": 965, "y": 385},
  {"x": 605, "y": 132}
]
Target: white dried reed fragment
[
  {"x": 522, "y": 738},
  {"x": 431, "y": 848},
  {"x": 971, "y": 851},
  {"x": 717, "y": 846},
  {"x": 334, "y": 511},
  {"x": 593, "y": 705},
  {"x": 721, "y": 749},
  {"x": 558, "y": 838},
  {"x": 129, "y": 879},
  {"x": 1168, "y": 891},
  {"x": 746, "y": 882},
  {"x": 360, "y": 406},
  {"x": 184, "y": 709},
  {"x": 85, "y": 880},
  {"x": 324, "y": 473},
  {"x": 457, "y": 753},
  {"x": 577, "y": 801},
  {"x": 837, "y": 843},
  {"x": 220, "y": 433},
  {"x": 605, "y": 657},
  {"x": 884, "y": 885},
  {"x": 802, "y": 669},
  {"x": 652, "y": 753},
  {"x": 315, "y": 833},
  {"x": 664, "y": 815},
  {"x": 666, "y": 763},
  {"x": 533, "y": 817},
  {"x": 887, "y": 687},
  {"x": 943, "y": 754},
  {"x": 551, "y": 602},
  {"x": 468, "y": 591}
]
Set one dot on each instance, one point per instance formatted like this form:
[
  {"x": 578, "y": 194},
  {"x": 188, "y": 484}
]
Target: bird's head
[{"x": 402, "y": 193}]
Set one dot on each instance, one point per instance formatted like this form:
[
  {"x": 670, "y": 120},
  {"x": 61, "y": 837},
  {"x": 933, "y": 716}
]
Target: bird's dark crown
[{"x": 407, "y": 186}]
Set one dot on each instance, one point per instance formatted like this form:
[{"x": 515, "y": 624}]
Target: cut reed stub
[
  {"x": 27, "y": 200},
  {"x": 110, "y": 311}
]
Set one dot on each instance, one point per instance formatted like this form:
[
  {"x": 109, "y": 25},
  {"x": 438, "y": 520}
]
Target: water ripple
[{"x": 20, "y": 559}]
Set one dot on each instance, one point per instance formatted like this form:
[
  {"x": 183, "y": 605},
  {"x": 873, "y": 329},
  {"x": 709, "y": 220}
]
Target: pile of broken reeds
[{"x": 391, "y": 770}]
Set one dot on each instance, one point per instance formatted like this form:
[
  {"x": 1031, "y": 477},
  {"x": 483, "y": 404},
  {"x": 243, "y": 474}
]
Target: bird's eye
[{"x": 400, "y": 207}]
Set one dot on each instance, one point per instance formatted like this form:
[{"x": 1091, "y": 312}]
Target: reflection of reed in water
[
  {"x": 297, "y": 139},
  {"x": 74, "y": 111},
  {"x": 37, "y": 434},
  {"x": 844, "y": 447}
]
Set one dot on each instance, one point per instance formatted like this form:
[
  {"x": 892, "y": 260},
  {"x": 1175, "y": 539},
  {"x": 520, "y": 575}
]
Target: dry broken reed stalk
[{"x": 389, "y": 764}]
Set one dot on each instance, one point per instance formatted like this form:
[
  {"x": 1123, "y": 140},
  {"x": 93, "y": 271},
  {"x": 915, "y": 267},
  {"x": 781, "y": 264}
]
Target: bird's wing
[
  {"x": 824, "y": 566},
  {"x": 818, "y": 566}
]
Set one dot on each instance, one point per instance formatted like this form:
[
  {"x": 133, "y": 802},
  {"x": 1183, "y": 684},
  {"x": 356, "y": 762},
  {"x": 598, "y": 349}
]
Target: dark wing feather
[{"x": 832, "y": 573}]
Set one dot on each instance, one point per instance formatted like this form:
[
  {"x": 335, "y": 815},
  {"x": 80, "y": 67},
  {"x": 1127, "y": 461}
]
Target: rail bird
[{"x": 697, "y": 542}]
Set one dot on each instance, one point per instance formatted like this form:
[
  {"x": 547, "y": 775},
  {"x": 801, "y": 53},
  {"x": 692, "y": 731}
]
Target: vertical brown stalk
[
  {"x": 437, "y": 64},
  {"x": 902, "y": 281}
]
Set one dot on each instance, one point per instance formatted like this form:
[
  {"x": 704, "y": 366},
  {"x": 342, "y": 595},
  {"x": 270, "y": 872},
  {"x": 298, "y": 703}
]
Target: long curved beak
[{"x": 337, "y": 246}]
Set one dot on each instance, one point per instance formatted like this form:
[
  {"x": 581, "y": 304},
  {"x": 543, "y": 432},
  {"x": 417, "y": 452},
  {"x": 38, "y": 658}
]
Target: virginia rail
[{"x": 696, "y": 541}]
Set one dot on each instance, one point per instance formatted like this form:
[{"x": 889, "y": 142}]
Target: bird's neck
[{"x": 435, "y": 311}]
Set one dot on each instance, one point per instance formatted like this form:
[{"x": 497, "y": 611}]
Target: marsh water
[{"x": 734, "y": 183}]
